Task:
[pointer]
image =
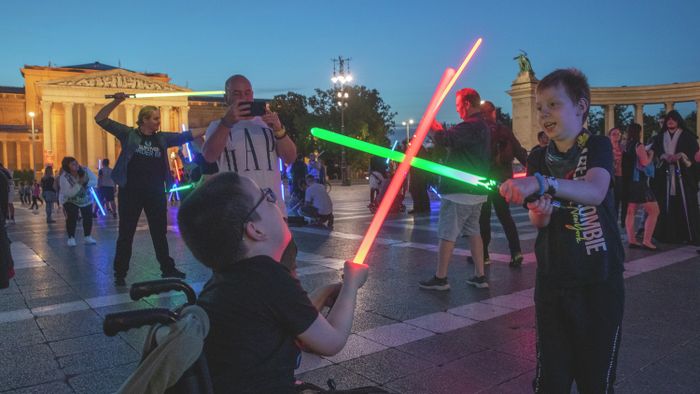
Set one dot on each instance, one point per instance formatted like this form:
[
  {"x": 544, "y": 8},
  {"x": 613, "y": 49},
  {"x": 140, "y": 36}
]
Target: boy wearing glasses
[{"x": 260, "y": 315}]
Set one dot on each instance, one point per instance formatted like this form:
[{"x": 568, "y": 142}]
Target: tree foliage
[{"x": 366, "y": 117}]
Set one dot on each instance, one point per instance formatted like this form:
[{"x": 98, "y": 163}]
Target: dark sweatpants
[
  {"x": 72, "y": 211},
  {"x": 504, "y": 216},
  {"x": 578, "y": 335},
  {"x": 131, "y": 203}
]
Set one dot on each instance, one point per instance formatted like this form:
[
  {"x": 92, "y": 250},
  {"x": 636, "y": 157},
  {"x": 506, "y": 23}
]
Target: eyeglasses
[{"x": 267, "y": 194}]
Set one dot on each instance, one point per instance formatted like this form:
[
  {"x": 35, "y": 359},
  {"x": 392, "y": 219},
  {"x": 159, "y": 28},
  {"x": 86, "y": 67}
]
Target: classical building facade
[
  {"x": 524, "y": 111},
  {"x": 64, "y": 101}
]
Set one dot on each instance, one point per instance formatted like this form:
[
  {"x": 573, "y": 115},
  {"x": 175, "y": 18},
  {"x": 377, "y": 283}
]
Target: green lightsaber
[
  {"x": 417, "y": 162},
  {"x": 179, "y": 188}
]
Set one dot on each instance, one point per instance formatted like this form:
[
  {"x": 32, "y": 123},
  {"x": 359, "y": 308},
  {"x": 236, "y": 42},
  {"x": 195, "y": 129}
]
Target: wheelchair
[{"x": 196, "y": 378}]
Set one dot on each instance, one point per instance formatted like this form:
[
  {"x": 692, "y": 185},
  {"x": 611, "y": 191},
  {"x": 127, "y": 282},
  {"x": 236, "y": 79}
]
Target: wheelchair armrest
[
  {"x": 123, "y": 321},
  {"x": 144, "y": 289}
]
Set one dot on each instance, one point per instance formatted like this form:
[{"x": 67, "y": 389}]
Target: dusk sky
[{"x": 397, "y": 47}]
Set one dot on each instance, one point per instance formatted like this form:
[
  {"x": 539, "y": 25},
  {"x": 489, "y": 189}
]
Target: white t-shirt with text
[{"x": 251, "y": 150}]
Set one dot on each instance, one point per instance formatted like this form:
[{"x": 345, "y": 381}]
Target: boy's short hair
[
  {"x": 211, "y": 220},
  {"x": 471, "y": 96},
  {"x": 574, "y": 82}
]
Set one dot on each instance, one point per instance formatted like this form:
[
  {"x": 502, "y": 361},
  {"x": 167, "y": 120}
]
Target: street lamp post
[
  {"x": 341, "y": 76},
  {"x": 32, "y": 115},
  {"x": 408, "y": 124}
]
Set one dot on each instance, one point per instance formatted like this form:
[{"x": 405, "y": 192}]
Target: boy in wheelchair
[{"x": 259, "y": 314}]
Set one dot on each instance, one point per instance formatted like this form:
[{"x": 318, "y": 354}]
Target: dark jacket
[
  {"x": 504, "y": 148},
  {"x": 468, "y": 149},
  {"x": 130, "y": 137}
]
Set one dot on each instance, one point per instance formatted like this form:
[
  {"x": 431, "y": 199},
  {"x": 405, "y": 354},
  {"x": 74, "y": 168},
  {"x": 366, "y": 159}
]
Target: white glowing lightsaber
[{"x": 171, "y": 94}]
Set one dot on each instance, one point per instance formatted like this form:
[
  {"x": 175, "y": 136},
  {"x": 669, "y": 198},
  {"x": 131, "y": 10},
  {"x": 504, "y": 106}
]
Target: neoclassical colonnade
[
  {"x": 638, "y": 96},
  {"x": 68, "y": 107},
  {"x": 524, "y": 112}
]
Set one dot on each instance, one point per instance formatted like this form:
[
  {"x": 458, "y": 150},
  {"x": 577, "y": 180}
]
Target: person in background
[
  {"x": 637, "y": 162},
  {"x": 317, "y": 203},
  {"x": 106, "y": 186},
  {"x": 615, "y": 136},
  {"x": 10, "y": 212},
  {"x": 7, "y": 271},
  {"x": 675, "y": 183},
  {"x": 75, "y": 197},
  {"x": 469, "y": 145},
  {"x": 49, "y": 193},
  {"x": 36, "y": 197}
]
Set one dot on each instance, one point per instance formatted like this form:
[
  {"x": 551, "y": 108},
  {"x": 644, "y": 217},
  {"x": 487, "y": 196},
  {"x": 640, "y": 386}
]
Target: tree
[
  {"x": 367, "y": 117},
  {"x": 691, "y": 122},
  {"x": 292, "y": 109},
  {"x": 596, "y": 120}
]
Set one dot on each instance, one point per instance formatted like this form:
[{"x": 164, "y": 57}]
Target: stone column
[
  {"x": 525, "y": 122},
  {"x": 165, "y": 118},
  {"x": 91, "y": 160},
  {"x": 609, "y": 118},
  {"x": 32, "y": 165},
  {"x": 697, "y": 112},
  {"x": 184, "y": 117},
  {"x": 70, "y": 140},
  {"x": 48, "y": 138},
  {"x": 18, "y": 150},
  {"x": 668, "y": 106},
  {"x": 639, "y": 116},
  {"x": 5, "y": 158}
]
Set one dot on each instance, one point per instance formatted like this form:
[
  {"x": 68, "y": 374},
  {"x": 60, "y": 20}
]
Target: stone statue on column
[{"x": 524, "y": 63}]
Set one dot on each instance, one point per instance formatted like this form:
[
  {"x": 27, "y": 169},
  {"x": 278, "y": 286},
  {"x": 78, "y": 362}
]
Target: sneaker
[
  {"x": 516, "y": 261},
  {"x": 89, "y": 240},
  {"x": 434, "y": 283},
  {"x": 174, "y": 273},
  {"x": 71, "y": 242},
  {"x": 478, "y": 281},
  {"x": 119, "y": 281}
]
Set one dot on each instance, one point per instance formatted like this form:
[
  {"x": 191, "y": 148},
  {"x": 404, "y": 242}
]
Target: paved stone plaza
[{"x": 406, "y": 339}]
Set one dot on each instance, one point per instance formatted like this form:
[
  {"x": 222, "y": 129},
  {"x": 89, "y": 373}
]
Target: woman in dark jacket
[{"x": 142, "y": 173}]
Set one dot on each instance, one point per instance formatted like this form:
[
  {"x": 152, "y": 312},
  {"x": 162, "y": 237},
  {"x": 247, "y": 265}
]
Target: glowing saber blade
[
  {"x": 172, "y": 94},
  {"x": 97, "y": 200},
  {"x": 179, "y": 188},
  {"x": 392, "y": 148},
  {"x": 427, "y": 165},
  {"x": 447, "y": 81}
]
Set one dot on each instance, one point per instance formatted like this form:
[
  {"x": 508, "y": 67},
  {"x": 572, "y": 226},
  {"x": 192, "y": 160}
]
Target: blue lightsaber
[
  {"x": 392, "y": 148},
  {"x": 97, "y": 200}
]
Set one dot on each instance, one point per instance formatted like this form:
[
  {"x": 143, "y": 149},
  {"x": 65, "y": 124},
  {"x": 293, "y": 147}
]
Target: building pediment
[{"x": 115, "y": 80}]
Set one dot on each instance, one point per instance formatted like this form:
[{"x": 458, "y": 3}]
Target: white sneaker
[
  {"x": 71, "y": 242},
  {"x": 89, "y": 240}
]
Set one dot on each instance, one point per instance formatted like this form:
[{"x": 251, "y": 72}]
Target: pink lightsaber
[{"x": 448, "y": 80}]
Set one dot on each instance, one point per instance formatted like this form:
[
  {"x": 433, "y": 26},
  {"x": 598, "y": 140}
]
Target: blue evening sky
[{"x": 398, "y": 47}]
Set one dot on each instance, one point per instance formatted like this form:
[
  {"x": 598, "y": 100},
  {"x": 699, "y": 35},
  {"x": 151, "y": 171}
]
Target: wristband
[
  {"x": 226, "y": 124},
  {"x": 552, "y": 185},
  {"x": 540, "y": 181},
  {"x": 281, "y": 133}
]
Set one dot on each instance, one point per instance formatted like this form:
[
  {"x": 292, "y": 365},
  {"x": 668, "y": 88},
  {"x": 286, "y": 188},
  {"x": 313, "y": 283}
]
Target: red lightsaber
[{"x": 448, "y": 80}]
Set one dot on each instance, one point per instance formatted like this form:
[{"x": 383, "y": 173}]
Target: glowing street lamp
[
  {"x": 341, "y": 76},
  {"x": 408, "y": 124}
]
